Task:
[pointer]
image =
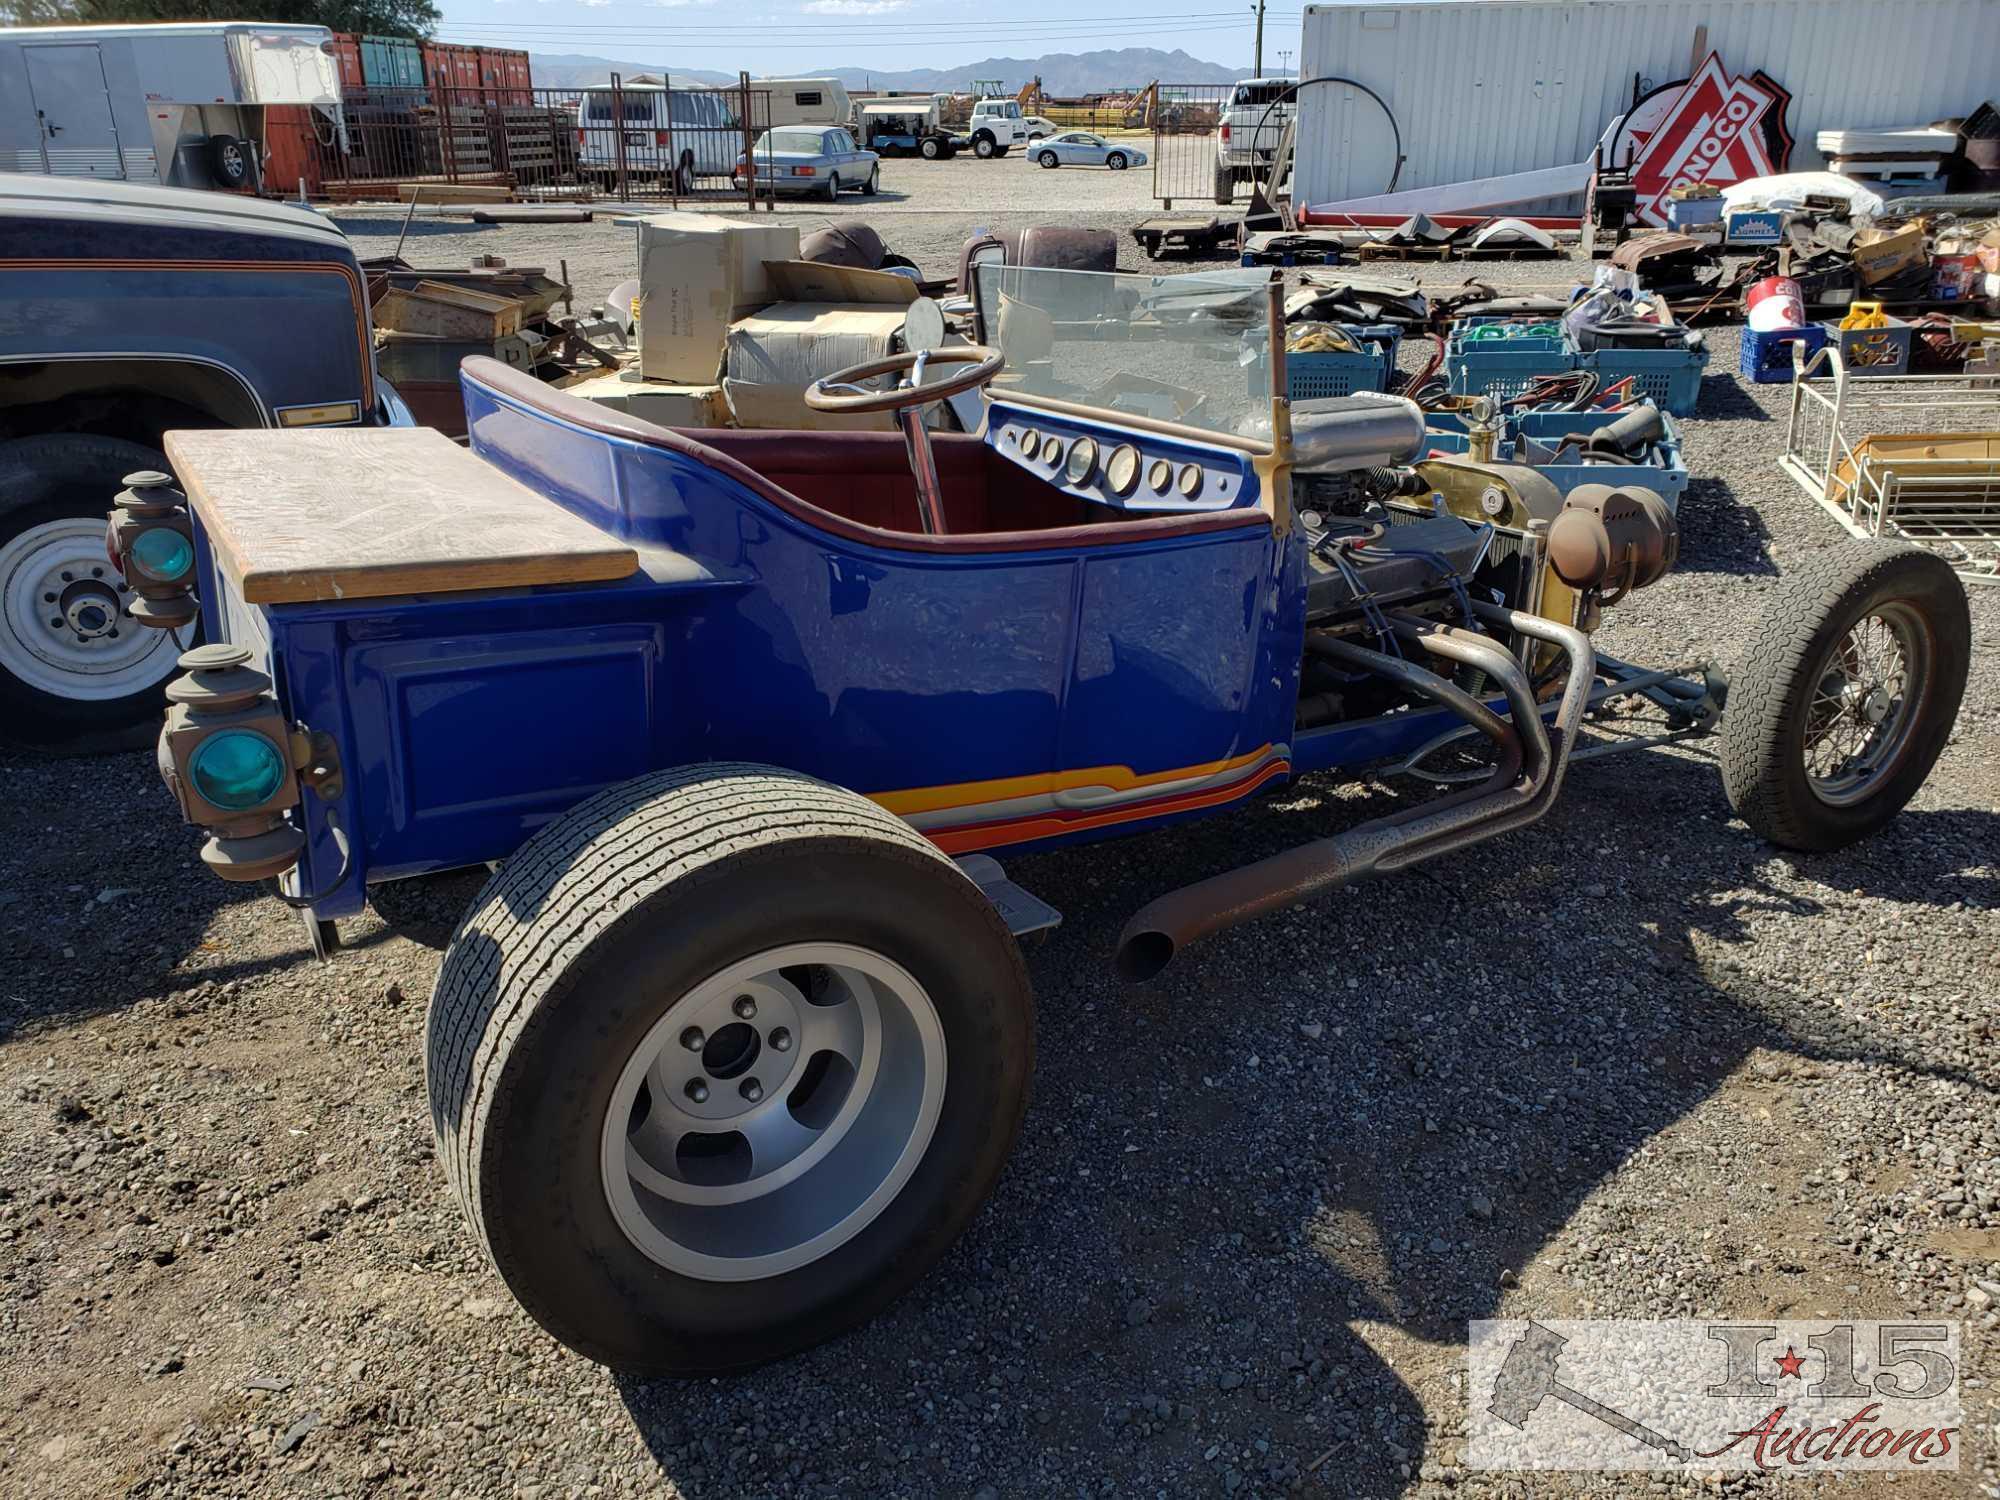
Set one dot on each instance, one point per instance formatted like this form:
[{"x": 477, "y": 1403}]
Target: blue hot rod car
[{"x": 736, "y": 1038}]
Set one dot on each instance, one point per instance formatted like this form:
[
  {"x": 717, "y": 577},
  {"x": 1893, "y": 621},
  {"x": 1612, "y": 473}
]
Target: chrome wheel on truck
[
  {"x": 75, "y": 667},
  {"x": 721, "y": 1062}
]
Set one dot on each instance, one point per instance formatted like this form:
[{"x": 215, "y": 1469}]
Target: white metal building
[{"x": 1483, "y": 88}]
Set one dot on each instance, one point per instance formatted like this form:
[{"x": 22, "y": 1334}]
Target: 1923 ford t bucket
[{"x": 736, "y": 1039}]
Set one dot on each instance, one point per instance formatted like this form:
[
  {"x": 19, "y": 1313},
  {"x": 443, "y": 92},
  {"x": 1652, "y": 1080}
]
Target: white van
[
  {"x": 690, "y": 132},
  {"x": 803, "y": 101}
]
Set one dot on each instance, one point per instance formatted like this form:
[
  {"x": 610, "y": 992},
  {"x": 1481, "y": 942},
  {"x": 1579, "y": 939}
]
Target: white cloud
[
  {"x": 854, "y": 7},
  {"x": 678, "y": 4}
]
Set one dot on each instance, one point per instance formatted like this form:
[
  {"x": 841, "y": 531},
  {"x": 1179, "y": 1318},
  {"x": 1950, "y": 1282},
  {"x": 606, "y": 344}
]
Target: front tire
[
  {"x": 982, "y": 147},
  {"x": 1049, "y": 159},
  {"x": 76, "y": 669},
  {"x": 1847, "y": 693},
  {"x": 660, "y": 936},
  {"x": 874, "y": 183},
  {"x": 1115, "y": 161}
]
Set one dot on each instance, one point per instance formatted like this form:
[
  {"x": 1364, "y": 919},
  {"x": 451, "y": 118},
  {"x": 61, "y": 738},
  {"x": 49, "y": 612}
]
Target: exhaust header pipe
[{"x": 1523, "y": 787}]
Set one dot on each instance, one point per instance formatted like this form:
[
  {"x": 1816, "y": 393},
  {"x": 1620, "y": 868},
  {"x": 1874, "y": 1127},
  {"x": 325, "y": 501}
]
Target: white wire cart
[{"x": 1915, "y": 457}]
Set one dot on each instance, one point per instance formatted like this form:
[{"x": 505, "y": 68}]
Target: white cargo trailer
[
  {"x": 1486, "y": 89},
  {"x": 180, "y": 104}
]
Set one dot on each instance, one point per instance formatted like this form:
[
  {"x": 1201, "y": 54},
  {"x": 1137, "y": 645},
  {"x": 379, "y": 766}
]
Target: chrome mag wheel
[{"x": 773, "y": 1111}]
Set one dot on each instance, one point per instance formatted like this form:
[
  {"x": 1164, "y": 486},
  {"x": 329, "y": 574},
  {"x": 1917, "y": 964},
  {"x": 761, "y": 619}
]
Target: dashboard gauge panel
[{"x": 1134, "y": 469}]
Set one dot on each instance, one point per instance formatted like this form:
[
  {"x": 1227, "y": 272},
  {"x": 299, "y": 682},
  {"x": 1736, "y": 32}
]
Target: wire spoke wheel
[
  {"x": 1865, "y": 702},
  {"x": 1845, "y": 694},
  {"x": 773, "y": 1111}
]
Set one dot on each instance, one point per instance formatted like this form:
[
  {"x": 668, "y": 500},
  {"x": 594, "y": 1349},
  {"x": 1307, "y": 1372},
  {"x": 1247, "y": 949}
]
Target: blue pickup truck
[{"x": 126, "y": 311}]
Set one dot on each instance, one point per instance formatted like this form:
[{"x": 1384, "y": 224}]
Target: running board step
[{"x": 1021, "y": 912}]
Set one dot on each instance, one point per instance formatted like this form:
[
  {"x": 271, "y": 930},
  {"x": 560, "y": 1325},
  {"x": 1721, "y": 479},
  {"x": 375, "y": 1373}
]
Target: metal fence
[
  {"x": 628, "y": 142},
  {"x": 1184, "y": 154}
]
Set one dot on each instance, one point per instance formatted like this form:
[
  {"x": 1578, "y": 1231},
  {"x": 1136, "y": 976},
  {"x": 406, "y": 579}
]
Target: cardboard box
[
  {"x": 697, "y": 275},
  {"x": 809, "y": 281},
  {"x": 775, "y": 353},
  {"x": 1878, "y": 255},
  {"x": 655, "y": 401}
]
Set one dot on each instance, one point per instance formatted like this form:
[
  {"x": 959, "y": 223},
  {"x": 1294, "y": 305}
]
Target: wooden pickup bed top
[{"x": 364, "y": 512}]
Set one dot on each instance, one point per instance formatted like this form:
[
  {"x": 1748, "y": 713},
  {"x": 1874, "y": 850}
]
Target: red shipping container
[
  {"x": 290, "y": 136},
  {"x": 347, "y": 56}
]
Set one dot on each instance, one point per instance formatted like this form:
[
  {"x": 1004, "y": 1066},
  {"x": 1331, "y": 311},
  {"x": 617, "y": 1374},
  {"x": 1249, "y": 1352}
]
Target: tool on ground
[{"x": 1529, "y": 1374}]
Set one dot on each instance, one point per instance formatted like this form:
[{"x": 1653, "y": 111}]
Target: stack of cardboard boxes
[{"x": 733, "y": 326}]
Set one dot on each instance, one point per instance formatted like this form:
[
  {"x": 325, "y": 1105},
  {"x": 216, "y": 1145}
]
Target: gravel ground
[{"x": 1630, "y": 1062}]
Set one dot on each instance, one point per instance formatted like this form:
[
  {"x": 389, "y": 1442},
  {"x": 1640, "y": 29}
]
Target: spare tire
[{"x": 229, "y": 161}]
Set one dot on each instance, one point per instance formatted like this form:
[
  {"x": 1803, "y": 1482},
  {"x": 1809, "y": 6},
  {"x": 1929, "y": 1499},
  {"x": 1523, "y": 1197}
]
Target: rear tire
[
  {"x": 831, "y": 192},
  {"x": 1225, "y": 185},
  {"x": 617, "y": 926},
  {"x": 1846, "y": 695},
  {"x": 930, "y": 149},
  {"x": 79, "y": 686}
]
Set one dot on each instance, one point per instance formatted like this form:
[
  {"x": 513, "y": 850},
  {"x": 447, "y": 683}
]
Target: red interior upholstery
[
  {"x": 865, "y": 477},
  {"x": 831, "y": 479}
]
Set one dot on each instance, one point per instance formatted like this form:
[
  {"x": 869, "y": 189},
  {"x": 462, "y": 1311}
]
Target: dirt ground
[{"x": 1631, "y": 1062}]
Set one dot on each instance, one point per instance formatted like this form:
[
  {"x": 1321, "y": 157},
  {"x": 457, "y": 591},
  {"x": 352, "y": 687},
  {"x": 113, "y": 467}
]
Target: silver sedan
[
  {"x": 1079, "y": 148},
  {"x": 812, "y": 159}
]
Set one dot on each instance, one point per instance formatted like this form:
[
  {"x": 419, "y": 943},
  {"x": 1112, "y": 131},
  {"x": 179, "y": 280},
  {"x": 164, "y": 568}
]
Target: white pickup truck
[
  {"x": 996, "y": 127},
  {"x": 1247, "y": 136}
]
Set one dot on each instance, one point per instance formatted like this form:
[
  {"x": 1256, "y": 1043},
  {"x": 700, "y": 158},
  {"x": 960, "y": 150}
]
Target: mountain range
[{"x": 1063, "y": 74}]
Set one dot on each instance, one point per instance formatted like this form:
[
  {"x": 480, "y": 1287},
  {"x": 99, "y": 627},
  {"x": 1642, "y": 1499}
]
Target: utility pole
[
  {"x": 1258, "y": 71},
  {"x": 1284, "y": 62}
]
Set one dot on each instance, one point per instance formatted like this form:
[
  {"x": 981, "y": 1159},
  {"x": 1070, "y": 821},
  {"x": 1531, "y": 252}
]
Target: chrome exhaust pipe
[{"x": 1161, "y": 928}]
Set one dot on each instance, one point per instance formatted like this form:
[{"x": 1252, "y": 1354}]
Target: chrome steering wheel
[{"x": 839, "y": 394}]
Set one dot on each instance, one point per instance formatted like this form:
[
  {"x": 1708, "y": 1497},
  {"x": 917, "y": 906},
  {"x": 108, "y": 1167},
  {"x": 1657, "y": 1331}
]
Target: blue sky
[{"x": 799, "y": 37}]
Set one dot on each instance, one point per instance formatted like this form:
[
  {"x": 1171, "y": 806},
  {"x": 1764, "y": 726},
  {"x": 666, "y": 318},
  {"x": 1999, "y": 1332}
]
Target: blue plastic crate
[
  {"x": 1663, "y": 473},
  {"x": 1669, "y": 378},
  {"x": 1503, "y": 366},
  {"x": 1767, "y": 357},
  {"x": 1308, "y": 377}
]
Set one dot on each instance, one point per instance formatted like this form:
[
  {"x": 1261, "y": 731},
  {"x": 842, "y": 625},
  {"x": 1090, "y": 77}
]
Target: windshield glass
[
  {"x": 1193, "y": 349},
  {"x": 808, "y": 142}
]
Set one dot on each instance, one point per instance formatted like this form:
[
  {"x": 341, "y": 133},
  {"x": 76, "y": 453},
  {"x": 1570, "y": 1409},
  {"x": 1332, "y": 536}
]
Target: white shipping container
[{"x": 1484, "y": 88}]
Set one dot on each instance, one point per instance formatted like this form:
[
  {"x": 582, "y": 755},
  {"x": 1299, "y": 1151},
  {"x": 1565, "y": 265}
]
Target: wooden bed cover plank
[{"x": 367, "y": 512}]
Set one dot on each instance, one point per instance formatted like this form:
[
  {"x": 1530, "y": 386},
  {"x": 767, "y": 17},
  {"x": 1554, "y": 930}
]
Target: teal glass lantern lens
[
  {"x": 237, "y": 769},
  {"x": 163, "y": 552}
]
